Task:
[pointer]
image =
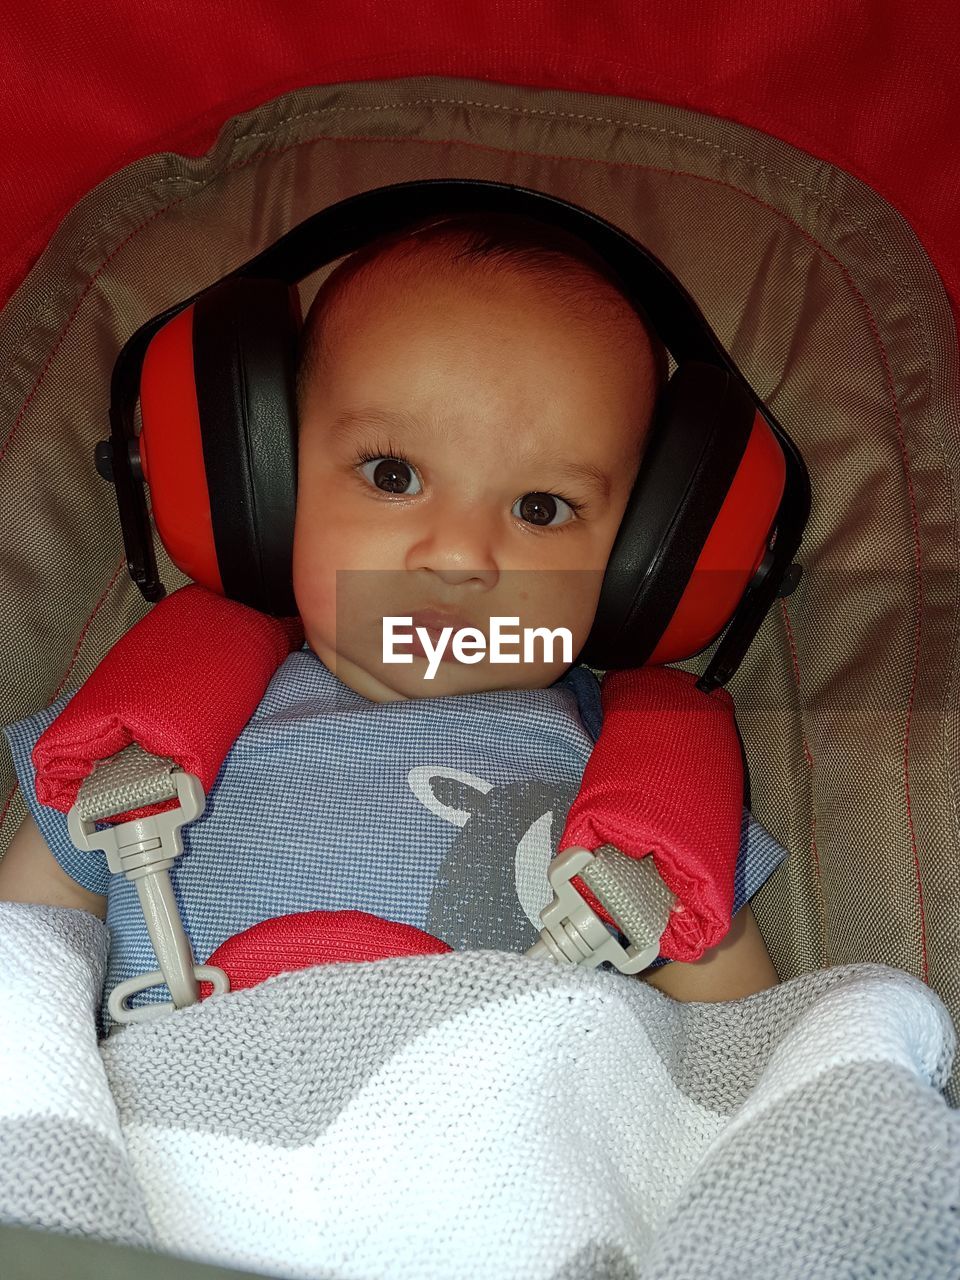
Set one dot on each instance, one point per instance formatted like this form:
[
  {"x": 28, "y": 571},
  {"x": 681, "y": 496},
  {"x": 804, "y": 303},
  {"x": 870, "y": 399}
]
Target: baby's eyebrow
[
  {"x": 351, "y": 420},
  {"x": 585, "y": 473}
]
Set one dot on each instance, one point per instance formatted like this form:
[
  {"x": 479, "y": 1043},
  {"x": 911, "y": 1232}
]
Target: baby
[{"x": 474, "y": 398}]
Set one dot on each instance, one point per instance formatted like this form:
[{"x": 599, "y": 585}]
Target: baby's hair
[{"x": 576, "y": 275}]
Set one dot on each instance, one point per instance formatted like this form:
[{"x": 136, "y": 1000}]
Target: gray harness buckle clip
[{"x": 572, "y": 931}]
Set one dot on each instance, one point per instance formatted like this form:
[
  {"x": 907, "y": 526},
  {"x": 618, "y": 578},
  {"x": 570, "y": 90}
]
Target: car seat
[{"x": 822, "y": 290}]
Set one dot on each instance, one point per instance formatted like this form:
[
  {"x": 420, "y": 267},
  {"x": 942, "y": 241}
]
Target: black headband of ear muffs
[{"x": 350, "y": 224}]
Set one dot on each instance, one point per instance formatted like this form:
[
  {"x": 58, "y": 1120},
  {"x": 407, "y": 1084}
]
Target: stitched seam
[
  {"x": 917, "y": 637},
  {"x": 637, "y": 126},
  {"x": 620, "y": 164},
  {"x": 948, "y": 697},
  {"x": 6, "y": 807},
  {"x": 808, "y": 755},
  {"x": 66, "y": 328},
  {"x": 86, "y": 627},
  {"x": 91, "y": 232}
]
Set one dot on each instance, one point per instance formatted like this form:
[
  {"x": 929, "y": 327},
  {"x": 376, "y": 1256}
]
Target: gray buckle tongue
[
  {"x": 630, "y": 889},
  {"x": 144, "y": 849}
]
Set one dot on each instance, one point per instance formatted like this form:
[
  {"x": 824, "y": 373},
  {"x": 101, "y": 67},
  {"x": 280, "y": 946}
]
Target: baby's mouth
[{"x": 433, "y": 622}]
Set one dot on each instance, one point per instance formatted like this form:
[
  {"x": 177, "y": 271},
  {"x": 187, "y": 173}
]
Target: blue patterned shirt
[{"x": 441, "y": 813}]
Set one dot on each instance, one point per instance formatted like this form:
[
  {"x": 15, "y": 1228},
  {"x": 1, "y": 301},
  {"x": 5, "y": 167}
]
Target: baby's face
[{"x": 466, "y": 451}]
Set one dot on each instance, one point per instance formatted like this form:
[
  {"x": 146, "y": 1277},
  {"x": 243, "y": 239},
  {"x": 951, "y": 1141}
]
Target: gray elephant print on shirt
[{"x": 492, "y": 883}]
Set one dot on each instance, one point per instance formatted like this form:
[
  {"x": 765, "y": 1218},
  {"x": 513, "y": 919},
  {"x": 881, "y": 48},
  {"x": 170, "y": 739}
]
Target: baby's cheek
[
  {"x": 574, "y": 602},
  {"x": 314, "y": 585}
]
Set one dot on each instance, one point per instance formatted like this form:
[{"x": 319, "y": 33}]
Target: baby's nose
[
  {"x": 458, "y": 547},
  {"x": 453, "y": 577}
]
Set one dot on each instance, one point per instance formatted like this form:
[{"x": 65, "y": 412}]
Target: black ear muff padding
[
  {"x": 700, "y": 431},
  {"x": 245, "y": 335}
]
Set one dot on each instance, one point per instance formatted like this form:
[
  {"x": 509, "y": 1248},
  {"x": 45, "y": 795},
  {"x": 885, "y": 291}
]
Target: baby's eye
[
  {"x": 392, "y": 475},
  {"x": 542, "y": 508}
]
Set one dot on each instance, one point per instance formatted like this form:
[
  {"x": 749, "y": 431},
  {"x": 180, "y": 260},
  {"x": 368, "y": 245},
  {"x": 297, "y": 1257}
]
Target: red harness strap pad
[
  {"x": 182, "y": 683},
  {"x": 666, "y": 777},
  {"x": 306, "y": 938}
]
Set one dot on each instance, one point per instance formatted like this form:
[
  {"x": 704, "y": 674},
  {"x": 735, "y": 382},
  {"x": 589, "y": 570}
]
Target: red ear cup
[
  {"x": 696, "y": 525},
  {"x": 732, "y": 552},
  {"x": 171, "y": 452},
  {"x": 219, "y": 439}
]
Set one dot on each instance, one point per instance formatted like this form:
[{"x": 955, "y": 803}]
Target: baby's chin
[{"x": 389, "y": 682}]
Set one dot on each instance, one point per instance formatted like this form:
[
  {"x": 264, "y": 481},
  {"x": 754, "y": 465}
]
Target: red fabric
[
  {"x": 666, "y": 776},
  {"x": 182, "y": 683},
  {"x": 870, "y": 87},
  {"x": 297, "y": 941}
]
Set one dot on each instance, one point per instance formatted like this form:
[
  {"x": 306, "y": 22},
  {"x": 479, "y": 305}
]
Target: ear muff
[
  {"x": 218, "y": 444},
  {"x": 696, "y": 526},
  {"x": 707, "y": 539}
]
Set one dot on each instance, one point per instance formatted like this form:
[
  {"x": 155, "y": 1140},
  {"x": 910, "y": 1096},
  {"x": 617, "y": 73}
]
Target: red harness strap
[
  {"x": 665, "y": 775},
  {"x": 181, "y": 683}
]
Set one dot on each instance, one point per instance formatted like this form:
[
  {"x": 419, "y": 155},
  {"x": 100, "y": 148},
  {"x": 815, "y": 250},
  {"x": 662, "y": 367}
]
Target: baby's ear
[{"x": 451, "y": 794}]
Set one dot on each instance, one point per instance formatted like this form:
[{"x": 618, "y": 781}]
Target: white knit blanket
[{"x": 481, "y": 1115}]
